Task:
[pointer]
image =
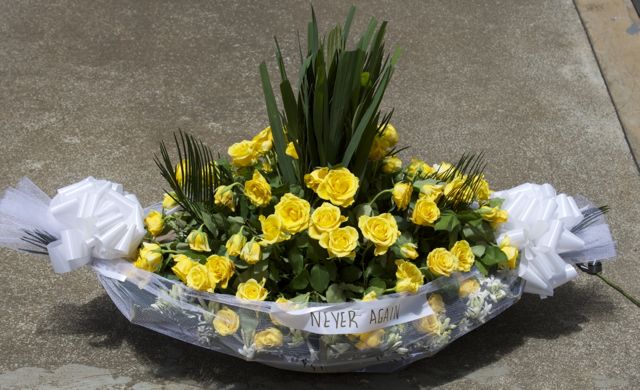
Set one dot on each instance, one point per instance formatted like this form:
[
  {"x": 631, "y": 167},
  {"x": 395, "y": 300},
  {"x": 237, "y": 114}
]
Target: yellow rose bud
[
  {"x": 180, "y": 172},
  {"x": 293, "y": 212},
  {"x": 436, "y": 303},
  {"x": 235, "y": 243},
  {"x": 409, "y": 251},
  {"x": 258, "y": 190},
  {"x": 243, "y": 153},
  {"x": 198, "y": 241},
  {"x": 341, "y": 242},
  {"x": 291, "y": 151},
  {"x": 466, "y": 258},
  {"x": 382, "y": 230},
  {"x": 389, "y": 136},
  {"x": 457, "y": 189},
  {"x": 251, "y": 253},
  {"x": 263, "y": 141},
  {"x": 378, "y": 149},
  {"x": 425, "y": 212},
  {"x": 441, "y": 262},
  {"x": 226, "y": 322},
  {"x": 370, "y": 339},
  {"x": 339, "y": 187},
  {"x": 493, "y": 215},
  {"x": 431, "y": 192},
  {"x": 221, "y": 269},
  {"x": 266, "y": 167},
  {"x": 272, "y": 230},
  {"x": 409, "y": 277},
  {"x": 401, "y": 195},
  {"x": 198, "y": 278},
  {"x": 468, "y": 287},
  {"x": 252, "y": 290},
  {"x": 418, "y": 169},
  {"x": 429, "y": 324},
  {"x": 324, "y": 219},
  {"x": 268, "y": 338},
  {"x": 168, "y": 201},
  {"x": 510, "y": 251},
  {"x": 149, "y": 257},
  {"x": 183, "y": 266},
  {"x": 391, "y": 164},
  {"x": 224, "y": 197},
  {"x": 313, "y": 179},
  {"x": 483, "y": 191},
  {"x": 154, "y": 222},
  {"x": 370, "y": 296}
]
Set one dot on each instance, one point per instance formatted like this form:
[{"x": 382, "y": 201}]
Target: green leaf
[
  {"x": 448, "y": 221},
  {"x": 478, "y": 250},
  {"x": 300, "y": 282},
  {"x": 334, "y": 294},
  {"x": 319, "y": 278},
  {"x": 297, "y": 261},
  {"x": 377, "y": 285},
  {"x": 481, "y": 268},
  {"x": 350, "y": 274},
  {"x": 493, "y": 256}
]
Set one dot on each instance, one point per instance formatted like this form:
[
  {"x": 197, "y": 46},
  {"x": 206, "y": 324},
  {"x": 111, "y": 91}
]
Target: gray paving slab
[{"x": 89, "y": 88}]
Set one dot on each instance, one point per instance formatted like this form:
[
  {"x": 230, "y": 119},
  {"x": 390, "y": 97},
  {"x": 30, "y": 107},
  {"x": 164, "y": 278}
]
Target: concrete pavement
[{"x": 89, "y": 88}]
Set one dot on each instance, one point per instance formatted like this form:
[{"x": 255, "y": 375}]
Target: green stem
[
  {"x": 618, "y": 289},
  {"x": 380, "y": 193}
]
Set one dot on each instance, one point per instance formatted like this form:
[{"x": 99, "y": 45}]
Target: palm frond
[
  {"x": 39, "y": 239},
  {"x": 591, "y": 216},
  {"x": 470, "y": 170}
]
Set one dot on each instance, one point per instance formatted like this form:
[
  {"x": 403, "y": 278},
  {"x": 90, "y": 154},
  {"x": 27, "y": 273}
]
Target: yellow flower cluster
[
  {"x": 338, "y": 186},
  {"x": 216, "y": 272},
  {"x": 384, "y": 140}
]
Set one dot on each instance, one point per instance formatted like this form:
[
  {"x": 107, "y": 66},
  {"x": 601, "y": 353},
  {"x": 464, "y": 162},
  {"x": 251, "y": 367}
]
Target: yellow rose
[
  {"x": 409, "y": 277},
  {"x": 409, "y": 250},
  {"x": 235, "y": 243},
  {"x": 283, "y": 304},
  {"x": 243, "y": 153},
  {"x": 168, "y": 201},
  {"x": 436, "y": 303},
  {"x": 378, "y": 149},
  {"x": 226, "y": 322},
  {"x": 291, "y": 151},
  {"x": 389, "y": 136},
  {"x": 198, "y": 278},
  {"x": 258, "y": 190},
  {"x": 339, "y": 187},
  {"x": 466, "y": 258},
  {"x": 382, "y": 230},
  {"x": 313, "y": 179},
  {"x": 370, "y": 296},
  {"x": 445, "y": 169},
  {"x": 468, "y": 287},
  {"x": 431, "y": 192},
  {"x": 429, "y": 324},
  {"x": 268, "y": 338},
  {"x": 458, "y": 189},
  {"x": 149, "y": 257},
  {"x": 154, "y": 222},
  {"x": 340, "y": 242},
  {"x": 425, "y": 212},
  {"x": 370, "y": 339},
  {"x": 293, "y": 212},
  {"x": 324, "y": 219},
  {"x": 401, "y": 195},
  {"x": 221, "y": 270},
  {"x": 266, "y": 167},
  {"x": 272, "y": 230},
  {"x": 198, "y": 241},
  {"x": 180, "y": 172},
  {"x": 252, "y": 290},
  {"x": 418, "y": 169},
  {"x": 224, "y": 197},
  {"x": 510, "y": 251},
  {"x": 493, "y": 215},
  {"x": 441, "y": 262},
  {"x": 251, "y": 253},
  {"x": 263, "y": 141},
  {"x": 183, "y": 266},
  {"x": 391, "y": 164},
  {"x": 483, "y": 191}
]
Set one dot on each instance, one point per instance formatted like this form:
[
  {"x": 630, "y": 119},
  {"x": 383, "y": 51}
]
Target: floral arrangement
[{"x": 313, "y": 246}]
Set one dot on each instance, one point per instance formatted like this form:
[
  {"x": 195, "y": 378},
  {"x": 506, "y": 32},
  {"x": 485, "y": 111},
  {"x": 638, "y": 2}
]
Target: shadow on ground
[{"x": 171, "y": 359}]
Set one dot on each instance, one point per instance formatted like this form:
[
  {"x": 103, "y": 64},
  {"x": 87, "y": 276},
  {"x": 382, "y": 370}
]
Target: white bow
[
  {"x": 100, "y": 221},
  {"x": 539, "y": 225}
]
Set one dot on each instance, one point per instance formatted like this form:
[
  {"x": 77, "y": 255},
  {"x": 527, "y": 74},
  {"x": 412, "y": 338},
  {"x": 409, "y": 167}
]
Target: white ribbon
[
  {"x": 100, "y": 220},
  {"x": 539, "y": 225}
]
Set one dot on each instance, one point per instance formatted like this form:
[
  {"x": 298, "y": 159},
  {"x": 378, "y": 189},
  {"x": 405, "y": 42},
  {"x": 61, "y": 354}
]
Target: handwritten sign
[{"x": 355, "y": 317}]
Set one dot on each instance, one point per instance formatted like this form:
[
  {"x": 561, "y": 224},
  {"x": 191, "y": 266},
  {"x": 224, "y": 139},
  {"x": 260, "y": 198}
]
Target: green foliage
[{"x": 335, "y": 114}]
